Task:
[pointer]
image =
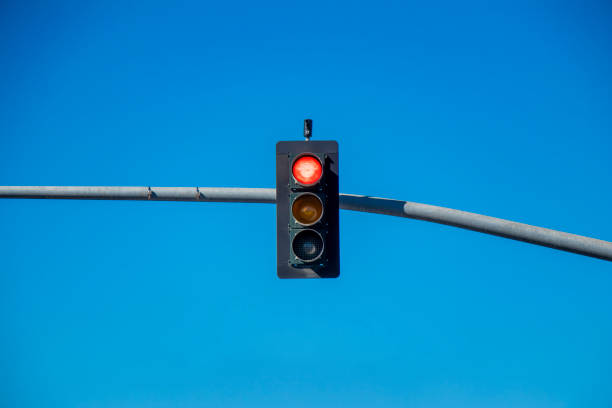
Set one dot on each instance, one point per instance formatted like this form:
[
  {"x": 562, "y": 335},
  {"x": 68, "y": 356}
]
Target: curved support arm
[
  {"x": 481, "y": 223},
  {"x": 476, "y": 222}
]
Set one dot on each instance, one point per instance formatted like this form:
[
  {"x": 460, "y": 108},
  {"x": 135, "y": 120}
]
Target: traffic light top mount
[{"x": 307, "y": 129}]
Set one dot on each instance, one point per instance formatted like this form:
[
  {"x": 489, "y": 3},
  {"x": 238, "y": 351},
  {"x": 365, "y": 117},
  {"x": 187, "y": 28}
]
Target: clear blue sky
[{"x": 498, "y": 109}]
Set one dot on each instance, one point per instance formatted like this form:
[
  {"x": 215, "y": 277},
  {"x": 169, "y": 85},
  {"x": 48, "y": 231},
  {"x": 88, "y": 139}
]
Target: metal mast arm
[
  {"x": 213, "y": 194},
  {"x": 476, "y": 222}
]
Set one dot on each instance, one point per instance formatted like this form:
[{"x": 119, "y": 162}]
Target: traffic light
[{"x": 307, "y": 235}]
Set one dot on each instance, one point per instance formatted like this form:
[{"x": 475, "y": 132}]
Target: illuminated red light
[{"x": 307, "y": 170}]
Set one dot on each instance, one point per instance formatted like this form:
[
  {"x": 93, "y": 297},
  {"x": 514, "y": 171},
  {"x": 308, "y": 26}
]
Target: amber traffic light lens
[
  {"x": 308, "y": 245},
  {"x": 307, "y": 170},
  {"x": 307, "y": 209}
]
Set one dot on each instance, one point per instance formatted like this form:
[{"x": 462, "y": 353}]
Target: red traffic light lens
[{"x": 307, "y": 170}]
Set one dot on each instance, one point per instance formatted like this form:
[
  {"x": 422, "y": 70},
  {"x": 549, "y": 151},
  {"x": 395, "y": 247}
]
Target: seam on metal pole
[{"x": 476, "y": 222}]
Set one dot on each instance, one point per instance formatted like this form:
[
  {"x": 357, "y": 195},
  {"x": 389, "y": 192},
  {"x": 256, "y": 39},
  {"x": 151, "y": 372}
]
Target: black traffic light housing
[{"x": 307, "y": 232}]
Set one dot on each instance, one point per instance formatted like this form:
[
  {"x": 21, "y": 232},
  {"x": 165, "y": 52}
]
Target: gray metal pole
[
  {"x": 213, "y": 194},
  {"x": 481, "y": 223},
  {"x": 489, "y": 225}
]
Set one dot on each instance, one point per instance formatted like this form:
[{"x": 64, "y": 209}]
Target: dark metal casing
[{"x": 288, "y": 265}]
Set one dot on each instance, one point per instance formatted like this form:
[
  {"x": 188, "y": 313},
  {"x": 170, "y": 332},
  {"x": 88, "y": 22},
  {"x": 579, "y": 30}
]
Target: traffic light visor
[{"x": 307, "y": 170}]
